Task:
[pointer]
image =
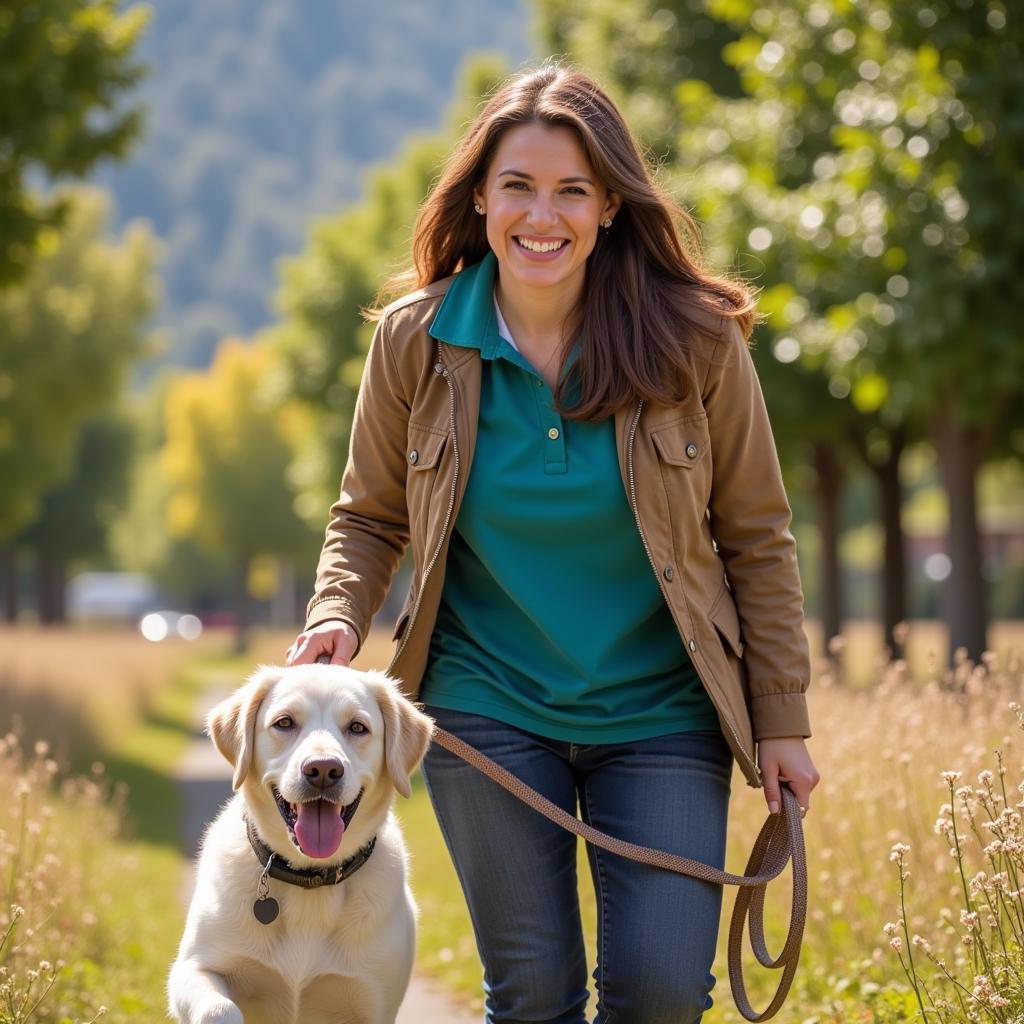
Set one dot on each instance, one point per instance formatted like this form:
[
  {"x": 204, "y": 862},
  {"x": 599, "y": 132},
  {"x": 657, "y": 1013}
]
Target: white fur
[{"x": 340, "y": 954}]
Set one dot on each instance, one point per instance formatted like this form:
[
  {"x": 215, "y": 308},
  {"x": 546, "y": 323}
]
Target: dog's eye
[
  {"x": 358, "y": 729},
  {"x": 284, "y": 722}
]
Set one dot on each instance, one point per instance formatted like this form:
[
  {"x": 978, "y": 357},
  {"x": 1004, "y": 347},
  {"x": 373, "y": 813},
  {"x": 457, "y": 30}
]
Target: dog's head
[{"x": 318, "y": 742}]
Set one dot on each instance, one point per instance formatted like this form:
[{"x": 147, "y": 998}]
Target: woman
[{"x": 564, "y": 421}]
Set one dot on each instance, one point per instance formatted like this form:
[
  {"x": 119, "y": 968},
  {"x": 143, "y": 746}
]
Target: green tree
[
  {"x": 71, "y": 330},
  {"x": 75, "y": 516},
  {"x": 229, "y": 447},
  {"x": 65, "y": 66},
  {"x": 896, "y": 183}
]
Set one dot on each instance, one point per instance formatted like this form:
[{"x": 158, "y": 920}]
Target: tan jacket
[{"x": 703, "y": 479}]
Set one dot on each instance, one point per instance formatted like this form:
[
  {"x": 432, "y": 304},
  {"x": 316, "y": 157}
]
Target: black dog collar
[{"x": 306, "y": 878}]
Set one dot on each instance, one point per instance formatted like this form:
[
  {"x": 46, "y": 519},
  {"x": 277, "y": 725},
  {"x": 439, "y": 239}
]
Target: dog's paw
[{"x": 223, "y": 1013}]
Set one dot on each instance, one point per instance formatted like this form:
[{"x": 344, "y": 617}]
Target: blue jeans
[{"x": 656, "y": 930}]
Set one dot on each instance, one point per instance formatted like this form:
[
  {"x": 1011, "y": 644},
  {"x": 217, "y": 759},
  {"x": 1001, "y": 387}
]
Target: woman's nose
[{"x": 542, "y": 211}]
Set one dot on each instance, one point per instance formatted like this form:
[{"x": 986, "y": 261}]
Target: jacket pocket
[
  {"x": 424, "y": 447},
  {"x": 425, "y": 497},
  {"x": 684, "y": 443},
  {"x": 726, "y": 620}
]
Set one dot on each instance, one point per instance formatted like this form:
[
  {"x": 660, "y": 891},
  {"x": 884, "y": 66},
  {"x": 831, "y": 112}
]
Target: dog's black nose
[{"x": 323, "y": 772}]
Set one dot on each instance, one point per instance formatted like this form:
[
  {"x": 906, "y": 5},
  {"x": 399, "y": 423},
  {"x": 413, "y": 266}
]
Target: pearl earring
[
  {"x": 478, "y": 208},
  {"x": 606, "y": 223}
]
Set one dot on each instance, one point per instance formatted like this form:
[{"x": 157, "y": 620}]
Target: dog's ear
[
  {"x": 407, "y": 730},
  {"x": 232, "y": 723}
]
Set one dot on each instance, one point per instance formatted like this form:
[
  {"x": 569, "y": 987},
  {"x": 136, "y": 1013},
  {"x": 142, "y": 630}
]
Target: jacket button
[
  {"x": 668, "y": 573},
  {"x": 692, "y": 645},
  {"x": 414, "y": 456},
  {"x": 553, "y": 433},
  {"x": 691, "y": 450}
]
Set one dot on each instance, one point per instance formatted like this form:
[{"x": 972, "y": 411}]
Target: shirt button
[
  {"x": 414, "y": 456},
  {"x": 553, "y": 433},
  {"x": 692, "y": 645},
  {"x": 668, "y": 573},
  {"x": 691, "y": 450}
]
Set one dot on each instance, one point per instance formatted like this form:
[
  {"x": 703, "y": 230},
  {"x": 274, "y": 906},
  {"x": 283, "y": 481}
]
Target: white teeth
[{"x": 527, "y": 243}]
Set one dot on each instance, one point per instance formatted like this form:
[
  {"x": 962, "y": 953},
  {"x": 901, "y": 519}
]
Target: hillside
[{"x": 265, "y": 113}]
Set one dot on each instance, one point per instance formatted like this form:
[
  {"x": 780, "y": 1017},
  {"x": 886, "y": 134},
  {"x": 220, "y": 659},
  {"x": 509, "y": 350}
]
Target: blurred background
[{"x": 197, "y": 199}]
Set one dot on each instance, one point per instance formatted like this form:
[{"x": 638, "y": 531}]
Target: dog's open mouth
[{"x": 316, "y": 827}]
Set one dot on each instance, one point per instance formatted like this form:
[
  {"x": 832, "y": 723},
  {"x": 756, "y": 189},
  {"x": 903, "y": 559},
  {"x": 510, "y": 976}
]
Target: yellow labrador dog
[{"x": 301, "y": 912}]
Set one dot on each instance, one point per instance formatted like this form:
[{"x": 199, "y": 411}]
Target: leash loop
[{"x": 780, "y": 841}]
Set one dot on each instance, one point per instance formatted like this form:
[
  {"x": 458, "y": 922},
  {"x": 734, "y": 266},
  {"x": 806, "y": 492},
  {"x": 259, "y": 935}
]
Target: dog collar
[{"x": 305, "y": 878}]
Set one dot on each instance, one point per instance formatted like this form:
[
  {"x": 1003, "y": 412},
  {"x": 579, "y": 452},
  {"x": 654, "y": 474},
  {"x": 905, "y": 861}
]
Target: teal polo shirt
[{"x": 551, "y": 618}]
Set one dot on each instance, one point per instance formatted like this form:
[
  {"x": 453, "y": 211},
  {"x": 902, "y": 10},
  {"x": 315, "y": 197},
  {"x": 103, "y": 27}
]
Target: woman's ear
[{"x": 612, "y": 204}]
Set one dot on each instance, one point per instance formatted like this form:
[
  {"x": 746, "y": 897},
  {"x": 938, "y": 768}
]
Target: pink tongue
[{"x": 319, "y": 829}]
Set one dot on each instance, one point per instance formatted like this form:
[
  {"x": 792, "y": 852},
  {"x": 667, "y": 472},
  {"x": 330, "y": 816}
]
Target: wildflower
[
  {"x": 898, "y": 851},
  {"x": 891, "y": 929},
  {"x": 952, "y": 777},
  {"x": 897, "y": 943},
  {"x": 985, "y": 778},
  {"x": 920, "y": 942}
]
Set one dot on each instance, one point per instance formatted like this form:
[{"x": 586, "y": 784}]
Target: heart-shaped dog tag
[{"x": 266, "y": 910}]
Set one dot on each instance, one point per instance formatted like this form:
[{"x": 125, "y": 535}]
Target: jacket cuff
[
  {"x": 336, "y": 609},
  {"x": 779, "y": 714}
]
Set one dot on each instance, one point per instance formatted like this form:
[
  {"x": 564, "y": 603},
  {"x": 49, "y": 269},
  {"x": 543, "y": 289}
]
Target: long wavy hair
[{"x": 646, "y": 290}]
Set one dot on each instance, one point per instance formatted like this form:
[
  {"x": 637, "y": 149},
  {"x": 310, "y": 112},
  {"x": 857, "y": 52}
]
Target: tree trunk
[
  {"x": 828, "y": 496},
  {"x": 51, "y": 582},
  {"x": 8, "y": 584},
  {"x": 894, "y": 572},
  {"x": 964, "y": 599}
]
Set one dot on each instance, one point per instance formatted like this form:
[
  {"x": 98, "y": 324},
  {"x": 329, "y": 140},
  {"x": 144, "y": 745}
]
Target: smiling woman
[{"x": 563, "y": 419}]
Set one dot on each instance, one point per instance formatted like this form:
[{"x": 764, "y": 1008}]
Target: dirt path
[{"x": 205, "y": 781}]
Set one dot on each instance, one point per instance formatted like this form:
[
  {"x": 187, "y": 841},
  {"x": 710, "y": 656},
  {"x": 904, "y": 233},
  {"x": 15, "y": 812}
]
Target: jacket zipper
[
  {"x": 439, "y": 367},
  {"x": 650, "y": 558}
]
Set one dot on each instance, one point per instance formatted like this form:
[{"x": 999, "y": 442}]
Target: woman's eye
[
  {"x": 358, "y": 729},
  {"x": 284, "y": 723},
  {"x": 515, "y": 184}
]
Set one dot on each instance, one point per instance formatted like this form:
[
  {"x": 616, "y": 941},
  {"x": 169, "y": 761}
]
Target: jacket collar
[{"x": 466, "y": 316}]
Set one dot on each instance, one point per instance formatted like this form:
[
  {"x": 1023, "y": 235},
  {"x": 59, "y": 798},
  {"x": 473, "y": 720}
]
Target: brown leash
[{"x": 780, "y": 840}]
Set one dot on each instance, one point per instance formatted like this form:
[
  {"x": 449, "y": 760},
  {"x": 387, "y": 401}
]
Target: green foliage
[
  {"x": 72, "y": 327},
  {"x": 226, "y": 458},
  {"x": 65, "y": 66},
  {"x": 74, "y": 517}
]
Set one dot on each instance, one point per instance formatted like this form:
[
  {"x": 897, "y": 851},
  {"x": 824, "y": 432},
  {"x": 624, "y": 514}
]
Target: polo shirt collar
[{"x": 466, "y": 316}]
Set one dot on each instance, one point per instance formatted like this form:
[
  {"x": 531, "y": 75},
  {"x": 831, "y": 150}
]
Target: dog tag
[{"x": 266, "y": 910}]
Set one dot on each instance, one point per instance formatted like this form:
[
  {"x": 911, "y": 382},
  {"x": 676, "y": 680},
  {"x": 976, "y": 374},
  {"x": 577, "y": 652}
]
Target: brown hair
[{"x": 645, "y": 288}]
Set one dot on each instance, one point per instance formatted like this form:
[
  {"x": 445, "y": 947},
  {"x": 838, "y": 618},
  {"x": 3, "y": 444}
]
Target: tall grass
[{"x": 51, "y": 834}]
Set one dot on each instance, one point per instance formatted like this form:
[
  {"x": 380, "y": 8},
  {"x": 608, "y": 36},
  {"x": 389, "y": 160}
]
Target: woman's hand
[
  {"x": 785, "y": 759},
  {"x": 334, "y": 638}
]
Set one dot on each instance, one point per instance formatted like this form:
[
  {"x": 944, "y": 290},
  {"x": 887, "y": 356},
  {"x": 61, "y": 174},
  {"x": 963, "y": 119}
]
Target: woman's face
[{"x": 543, "y": 206}]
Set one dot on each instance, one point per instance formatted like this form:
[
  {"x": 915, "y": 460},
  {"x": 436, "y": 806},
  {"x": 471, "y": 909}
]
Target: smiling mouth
[
  {"x": 530, "y": 245},
  {"x": 316, "y": 827}
]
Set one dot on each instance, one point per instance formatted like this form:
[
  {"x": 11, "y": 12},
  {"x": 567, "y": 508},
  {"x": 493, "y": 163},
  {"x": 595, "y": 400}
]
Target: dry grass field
[{"x": 883, "y": 737}]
